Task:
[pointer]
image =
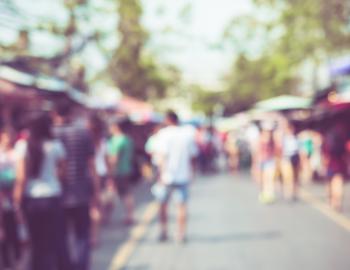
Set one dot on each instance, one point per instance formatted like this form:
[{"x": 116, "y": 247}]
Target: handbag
[{"x": 159, "y": 191}]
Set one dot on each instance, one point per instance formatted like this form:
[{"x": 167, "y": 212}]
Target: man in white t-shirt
[{"x": 177, "y": 150}]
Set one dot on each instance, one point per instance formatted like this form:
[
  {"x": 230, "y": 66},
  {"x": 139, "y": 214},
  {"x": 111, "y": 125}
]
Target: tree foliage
[
  {"x": 62, "y": 63},
  {"x": 204, "y": 100},
  {"x": 295, "y": 31},
  {"x": 134, "y": 70}
]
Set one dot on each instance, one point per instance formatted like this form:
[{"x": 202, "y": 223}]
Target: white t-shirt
[
  {"x": 252, "y": 135},
  {"x": 47, "y": 184},
  {"x": 177, "y": 146},
  {"x": 100, "y": 159},
  {"x": 152, "y": 148},
  {"x": 290, "y": 145}
]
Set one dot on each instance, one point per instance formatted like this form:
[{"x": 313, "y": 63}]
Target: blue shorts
[{"x": 180, "y": 191}]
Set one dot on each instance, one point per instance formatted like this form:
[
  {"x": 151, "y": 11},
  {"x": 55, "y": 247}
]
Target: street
[{"x": 230, "y": 229}]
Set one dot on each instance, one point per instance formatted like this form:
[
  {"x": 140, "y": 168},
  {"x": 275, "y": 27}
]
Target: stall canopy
[
  {"x": 136, "y": 109},
  {"x": 234, "y": 122},
  {"x": 19, "y": 86},
  {"x": 104, "y": 97},
  {"x": 284, "y": 103}
]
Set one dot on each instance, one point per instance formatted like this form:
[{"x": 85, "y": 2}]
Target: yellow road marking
[
  {"x": 336, "y": 217},
  {"x": 124, "y": 252}
]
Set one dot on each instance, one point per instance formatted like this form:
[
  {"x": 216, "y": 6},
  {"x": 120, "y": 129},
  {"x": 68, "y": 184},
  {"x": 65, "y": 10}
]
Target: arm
[
  {"x": 61, "y": 170},
  {"x": 194, "y": 155},
  {"x": 20, "y": 183},
  {"x": 162, "y": 162},
  {"x": 1, "y": 222},
  {"x": 112, "y": 163},
  {"x": 113, "y": 151},
  {"x": 95, "y": 179},
  {"x": 193, "y": 165}
]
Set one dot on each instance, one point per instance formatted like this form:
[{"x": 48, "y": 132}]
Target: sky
[
  {"x": 185, "y": 33},
  {"x": 197, "y": 49}
]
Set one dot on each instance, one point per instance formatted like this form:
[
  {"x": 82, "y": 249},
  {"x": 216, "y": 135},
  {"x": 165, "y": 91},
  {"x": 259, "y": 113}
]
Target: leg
[
  {"x": 95, "y": 214},
  {"x": 6, "y": 241},
  {"x": 109, "y": 200},
  {"x": 287, "y": 176},
  {"x": 182, "y": 195},
  {"x": 295, "y": 188},
  {"x": 256, "y": 172},
  {"x": 12, "y": 243},
  {"x": 81, "y": 225},
  {"x": 123, "y": 188},
  {"x": 163, "y": 218},
  {"x": 268, "y": 177},
  {"x": 337, "y": 187},
  {"x": 182, "y": 221},
  {"x": 329, "y": 192},
  {"x": 129, "y": 206},
  {"x": 5, "y": 255},
  {"x": 61, "y": 232},
  {"x": 41, "y": 236}
]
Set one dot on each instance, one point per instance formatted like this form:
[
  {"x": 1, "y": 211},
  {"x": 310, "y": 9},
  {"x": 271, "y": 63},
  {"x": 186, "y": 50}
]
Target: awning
[
  {"x": 136, "y": 109},
  {"x": 283, "y": 103}
]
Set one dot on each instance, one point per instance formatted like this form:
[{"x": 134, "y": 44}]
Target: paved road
[{"x": 229, "y": 229}]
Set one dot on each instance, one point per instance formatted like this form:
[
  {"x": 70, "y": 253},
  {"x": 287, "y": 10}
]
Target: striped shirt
[{"x": 79, "y": 146}]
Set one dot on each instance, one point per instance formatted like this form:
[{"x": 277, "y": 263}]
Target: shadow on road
[
  {"x": 268, "y": 235},
  {"x": 138, "y": 267}
]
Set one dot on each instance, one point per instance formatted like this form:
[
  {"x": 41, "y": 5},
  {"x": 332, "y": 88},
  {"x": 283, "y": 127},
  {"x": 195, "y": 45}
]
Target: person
[
  {"x": 80, "y": 187},
  {"x": 306, "y": 153},
  {"x": 290, "y": 162},
  {"x": 335, "y": 155},
  {"x": 151, "y": 149},
  {"x": 203, "y": 139},
  {"x": 39, "y": 190},
  {"x": 232, "y": 149},
  {"x": 102, "y": 211},
  {"x": 120, "y": 156},
  {"x": 178, "y": 151},
  {"x": 11, "y": 246},
  {"x": 267, "y": 162},
  {"x": 252, "y": 135}
]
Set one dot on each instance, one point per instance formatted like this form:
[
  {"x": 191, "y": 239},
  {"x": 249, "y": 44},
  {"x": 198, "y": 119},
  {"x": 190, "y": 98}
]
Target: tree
[
  {"x": 203, "y": 100},
  {"x": 136, "y": 72},
  {"x": 295, "y": 31},
  {"x": 129, "y": 65},
  {"x": 311, "y": 28},
  {"x": 60, "y": 63},
  {"x": 253, "y": 80}
]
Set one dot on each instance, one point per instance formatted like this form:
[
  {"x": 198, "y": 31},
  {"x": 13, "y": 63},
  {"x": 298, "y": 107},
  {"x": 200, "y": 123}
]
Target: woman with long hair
[
  {"x": 103, "y": 205},
  {"x": 10, "y": 247},
  {"x": 38, "y": 190}
]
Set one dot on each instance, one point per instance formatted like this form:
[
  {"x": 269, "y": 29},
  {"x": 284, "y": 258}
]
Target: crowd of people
[
  {"x": 61, "y": 173},
  {"x": 282, "y": 157},
  {"x": 57, "y": 178}
]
